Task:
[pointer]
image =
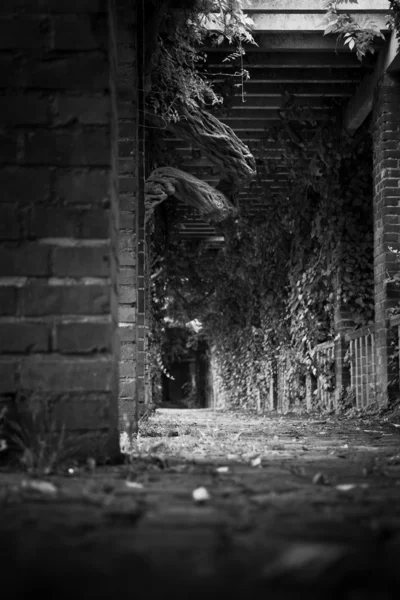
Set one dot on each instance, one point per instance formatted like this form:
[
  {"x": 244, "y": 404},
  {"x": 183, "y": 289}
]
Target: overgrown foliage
[
  {"x": 360, "y": 34},
  {"x": 177, "y": 77},
  {"x": 394, "y": 17},
  {"x": 271, "y": 294},
  {"x": 273, "y": 289}
]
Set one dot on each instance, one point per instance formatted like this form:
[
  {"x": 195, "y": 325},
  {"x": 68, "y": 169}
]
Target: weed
[{"x": 31, "y": 434}]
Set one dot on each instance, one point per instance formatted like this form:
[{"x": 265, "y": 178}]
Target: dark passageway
[{"x": 200, "y": 208}]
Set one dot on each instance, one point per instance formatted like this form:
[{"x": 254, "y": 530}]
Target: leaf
[
  {"x": 200, "y": 495},
  {"x": 331, "y": 28},
  {"x": 320, "y": 479},
  {"x": 347, "y": 487},
  {"x": 134, "y": 485},
  {"x": 45, "y": 487}
]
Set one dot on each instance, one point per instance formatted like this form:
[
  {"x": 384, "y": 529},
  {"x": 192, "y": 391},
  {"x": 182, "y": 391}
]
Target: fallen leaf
[
  {"x": 346, "y": 487},
  {"x": 256, "y": 462},
  {"x": 134, "y": 485},
  {"x": 200, "y": 495},
  {"x": 45, "y": 487},
  {"x": 320, "y": 479},
  {"x": 394, "y": 460}
]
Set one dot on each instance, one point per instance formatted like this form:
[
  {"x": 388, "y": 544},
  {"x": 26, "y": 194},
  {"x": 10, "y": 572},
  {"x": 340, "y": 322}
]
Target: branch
[
  {"x": 167, "y": 182},
  {"x": 216, "y": 140}
]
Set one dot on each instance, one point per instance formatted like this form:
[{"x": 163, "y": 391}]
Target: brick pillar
[
  {"x": 59, "y": 215},
  {"x": 342, "y": 323},
  {"x": 127, "y": 176},
  {"x": 386, "y": 137}
]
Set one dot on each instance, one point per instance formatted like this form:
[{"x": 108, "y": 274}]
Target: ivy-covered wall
[{"x": 289, "y": 278}]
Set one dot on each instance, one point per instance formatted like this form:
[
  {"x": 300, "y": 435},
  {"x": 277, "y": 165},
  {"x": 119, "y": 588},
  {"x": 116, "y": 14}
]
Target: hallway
[{"x": 298, "y": 506}]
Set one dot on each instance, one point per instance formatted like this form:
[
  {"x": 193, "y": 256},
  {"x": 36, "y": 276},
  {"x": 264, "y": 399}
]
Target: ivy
[
  {"x": 268, "y": 297},
  {"x": 394, "y": 17},
  {"x": 178, "y": 74},
  {"x": 270, "y": 293},
  {"x": 359, "y": 34}
]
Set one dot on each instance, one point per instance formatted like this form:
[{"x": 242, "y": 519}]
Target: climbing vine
[
  {"x": 177, "y": 76},
  {"x": 272, "y": 290}
]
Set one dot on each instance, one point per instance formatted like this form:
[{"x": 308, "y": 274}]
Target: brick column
[
  {"x": 386, "y": 138},
  {"x": 127, "y": 176},
  {"x": 59, "y": 215},
  {"x": 342, "y": 322}
]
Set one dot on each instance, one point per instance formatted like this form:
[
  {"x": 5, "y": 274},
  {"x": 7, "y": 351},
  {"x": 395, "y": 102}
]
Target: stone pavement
[{"x": 298, "y": 507}]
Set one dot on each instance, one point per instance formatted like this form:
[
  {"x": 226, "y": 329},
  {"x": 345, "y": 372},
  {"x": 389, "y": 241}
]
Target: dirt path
[{"x": 297, "y": 507}]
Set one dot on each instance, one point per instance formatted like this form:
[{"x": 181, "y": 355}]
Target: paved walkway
[{"x": 293, "y": 507}]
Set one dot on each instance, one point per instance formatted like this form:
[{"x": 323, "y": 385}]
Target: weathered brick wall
[
  {"x": 127, "y": 175},
  {"x": 59, "y": 213},
  {"x": 386, "y": 220}
]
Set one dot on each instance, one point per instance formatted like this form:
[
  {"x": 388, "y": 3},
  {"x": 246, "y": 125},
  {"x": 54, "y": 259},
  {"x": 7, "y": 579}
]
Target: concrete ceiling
[{"x": 292, "y": 56}]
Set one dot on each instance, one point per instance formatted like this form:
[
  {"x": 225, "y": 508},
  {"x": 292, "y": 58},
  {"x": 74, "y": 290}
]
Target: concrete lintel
[
  {"x": 312, "y": 5},
  {"x": 360, "y": 105},
  {"x": 303, "y": 6}
]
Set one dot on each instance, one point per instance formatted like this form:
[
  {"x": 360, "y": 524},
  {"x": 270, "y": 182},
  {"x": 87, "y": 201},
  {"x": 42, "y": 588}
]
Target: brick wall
[
  {"x": 127, "y": 175},
  {"x": 386, "y": 220},
  {"x": 59, "y": 214}
]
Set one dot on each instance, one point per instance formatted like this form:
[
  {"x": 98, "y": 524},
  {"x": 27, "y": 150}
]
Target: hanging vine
[{"x": 359, "y": 34}]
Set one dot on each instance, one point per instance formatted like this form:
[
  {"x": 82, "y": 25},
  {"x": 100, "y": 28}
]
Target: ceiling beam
[
  {"x": 294, "y": 76},
  {"x": 290, "y": 41},
  {"x": 274, "y": 102},
  {"x": 360, "y": 105},
  {"x": 295, "y": 21},
  {"x": 312, "y": 6},
  {"x": 298, "y": 89},
  {"x": 279, "y": 60}
]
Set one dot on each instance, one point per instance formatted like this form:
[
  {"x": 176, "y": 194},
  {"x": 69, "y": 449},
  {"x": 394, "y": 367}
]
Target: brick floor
[{"x": 276, "y": 524}]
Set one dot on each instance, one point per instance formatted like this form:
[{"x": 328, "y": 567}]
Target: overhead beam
[
  {"x": 360, "y": 105},
  {"x": 309, "y": 60},
  {"x": 291, "y": 41},
  {"x": 274, "y": 102},
  {"x": 304, "y": 75},
  {"x": 312, "y": 5},
  {"x": 295, "y": 21},
  {"x": 302, "y": 89}
]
